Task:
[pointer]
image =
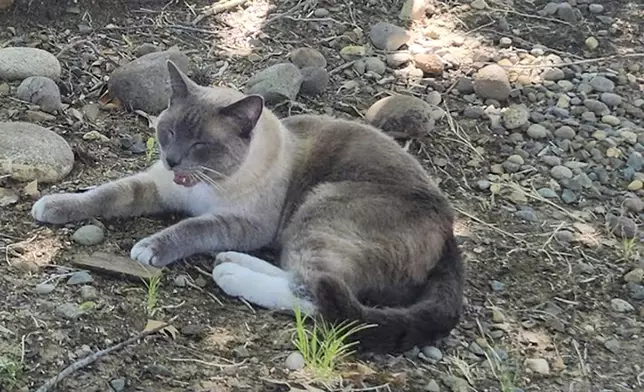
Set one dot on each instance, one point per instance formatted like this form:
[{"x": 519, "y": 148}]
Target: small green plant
[
  {"x": 152, "y": 297},
  {"x": 323, "y": 346},
  {"x": 11, "y": 367},
  {"x": 628, "y": 247},
  {"x": 150, "y": 145}
]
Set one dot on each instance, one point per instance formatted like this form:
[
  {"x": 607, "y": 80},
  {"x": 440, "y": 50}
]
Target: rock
[
  {"x": 537, "y": 131},
  {"x": 634, "y": 205},
  {"x": 429, "y": 63},
  {"x": 634, "y": 276},
  {"x": 41, "y": 91},
  {"x": 432, "y": 386},
  {"x": 622, "y": 226},
  {"x": 537, "y": 365},
  {"x": 497, "y": 316},
  {"x": 37, "y": 116},
  {"x": 146, "y": 48},
  {"x": 386, "y": 36},
  {"x": 602, "y": 84},
  {"x": 18, "y": 63},
  {"x": 478, "y": 4},
  {"x": 413, "y": 10},
  {"x": 635, "y": 291},
  {"x": 527, "y": 215},
  {"x": 117, "y": 385},
  {"x": 610, "y": 99},
  {"x": 314, "y": 80},
  {"x": 635, "y": 160},
  {"x": 241, "y": 352},
  {"x": 560, "y": 172},
  {"x": 455, "y": 384},
  {"x": 595, "y": 8},
  {"x": 597, "y": 107},
  {"x": 612, "y": 345},
  {"x": 5, "y": 89},
  {"x": 432, "y": 353},
  {"x": 395, "y": 60},
  {"x": 353, "y": 52},
  {"x": 635, "y": 185},
  {"x": 513, "y": 163},
  {"x": 565, "y": 132},
  {"x": 181, "y": 280},
  {"x": 401, "y": 116},
  {"x": 88, "y": 293},
  {"x": 30, "y": 152},
  {"x": 591, "y": 43},
  {"x": 277, "y": 83},
  {"x": 611, "y": 120},
  {"x": 89, "y": 235},
  {"x": 68, "y": 311},
  {"x": 497, "y": 286},
  {"x": 143, "y": 83},
  {"x": 434, "y": 98},
  {"x": 516, "y": 116},
  {"x": 5, "y": 4},
  {"x": 621, "y": 306},
  {"x": 80, "y": 277},
  {"x": 465, "y": 85},
  {"x": 31, "y": 190},
  {"x": 44, "y": 288},
  {"x": 553, "y": 74},
  {"x": 8, "y": 197},
  {"x": 295, "y": 361},
  {"x": 492, "y": 82},
  {"x": 307, "y": 57},
  {"x": 375, "y": 65},
  {"x": 505, "y": 42},
  {"x": 476, "y": 349},
  {"x": 566, "y": 12}
]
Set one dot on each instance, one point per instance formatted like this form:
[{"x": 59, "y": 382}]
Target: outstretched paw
[
  {"x": 153, "y": 251},
  {"x": 231, "y": 278},
  {"x": 59, "y": 208},
  {"x": 251, "y": 262}
]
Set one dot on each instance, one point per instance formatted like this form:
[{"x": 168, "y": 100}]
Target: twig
[
  {"x": 219, "y": 365},
  {"x": 341, "y": 67},
  {"x": 505, "y": 233},
  {"x": 52, "y": 382},
  {"x": 218, "y": 8},
  {"x": 577, "y": 62},
  {"x": 532, "y": 16},
  {"x": 76, "y": 43},
  {"x": 279, "y": 16}
]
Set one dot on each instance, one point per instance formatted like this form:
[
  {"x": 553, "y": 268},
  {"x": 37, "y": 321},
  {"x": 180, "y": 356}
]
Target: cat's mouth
[{"x": 185, "y": 179}]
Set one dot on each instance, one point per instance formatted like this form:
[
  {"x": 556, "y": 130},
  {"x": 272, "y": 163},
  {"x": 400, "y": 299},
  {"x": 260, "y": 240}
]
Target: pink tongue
[{"x": 183, "y": 179}]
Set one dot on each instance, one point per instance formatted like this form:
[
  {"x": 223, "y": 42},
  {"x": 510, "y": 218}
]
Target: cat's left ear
[{"x": 245, "y": 113}]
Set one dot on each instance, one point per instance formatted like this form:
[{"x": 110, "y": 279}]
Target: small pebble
[
  {"x": 80, "y": 277},
  {"x": 89, "y": 235},
  {"x": 621, "y": 306},
  {"x": 538, "y": 365},
  {"x": 537, "y": 131},
  {"x": 560, "y": 172},
  {"x": 88, "y": 293},
  {"x": 432, "y": 353},
  {"x": 44, "y": 288},
  {"x": 180, "y": 280},
  {"x": 634, "y": 276},
  {"x": 295, "y": 361}
]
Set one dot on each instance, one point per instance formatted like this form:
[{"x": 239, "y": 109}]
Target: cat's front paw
[
  {"x": 59, "y": 208},
  {"x": 153, "y": 251}
]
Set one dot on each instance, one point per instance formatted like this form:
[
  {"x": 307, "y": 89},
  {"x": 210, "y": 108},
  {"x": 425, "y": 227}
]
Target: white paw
[
  {"x": 151, "y": 251},
  {"x": 57, "y": 209},
  {"x": 230, "y": 278},
  {"x": 250, "y": 262}
]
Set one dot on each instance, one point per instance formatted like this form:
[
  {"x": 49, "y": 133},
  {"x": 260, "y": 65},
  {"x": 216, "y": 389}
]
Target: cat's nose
[{"x": 171, "y": 162}]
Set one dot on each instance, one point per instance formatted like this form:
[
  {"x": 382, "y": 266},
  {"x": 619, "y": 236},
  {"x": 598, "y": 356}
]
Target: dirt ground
[{"x": 552, "y": 299}]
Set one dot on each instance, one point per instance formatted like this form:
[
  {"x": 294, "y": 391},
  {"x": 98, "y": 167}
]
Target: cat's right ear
[
  {"x": 180, "y": 84},
  {"x": 245, "y": 113}
]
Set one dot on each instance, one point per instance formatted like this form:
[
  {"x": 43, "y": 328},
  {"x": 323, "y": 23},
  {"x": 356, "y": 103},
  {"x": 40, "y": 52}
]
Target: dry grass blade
[{"x": 457, "y": 130}]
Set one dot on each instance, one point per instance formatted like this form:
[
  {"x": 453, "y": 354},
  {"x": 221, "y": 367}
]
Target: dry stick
[
  {"x": 505, "y": 233},
  {"x": 577, "y": 62},
  {"x": 52, "y": 382},
  {"x": 217, "y": 9},
  {"x": 73, "y": 44},
  {"x": 532, "y": 16}
]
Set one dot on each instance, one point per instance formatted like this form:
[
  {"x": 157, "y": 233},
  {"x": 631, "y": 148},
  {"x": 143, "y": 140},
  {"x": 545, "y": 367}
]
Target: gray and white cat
[{"x": 361, "y": 231}]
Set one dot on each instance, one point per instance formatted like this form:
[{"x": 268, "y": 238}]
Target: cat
[{"x": 361, "y": 231}]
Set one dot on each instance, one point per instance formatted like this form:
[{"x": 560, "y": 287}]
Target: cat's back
[{"x": 333, "y": 150}]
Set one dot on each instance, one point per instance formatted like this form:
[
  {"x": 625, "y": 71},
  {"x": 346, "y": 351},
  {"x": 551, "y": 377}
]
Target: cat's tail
[{"x": 435, "y": 313}]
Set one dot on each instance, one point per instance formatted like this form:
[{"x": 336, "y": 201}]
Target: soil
[{"x": 554, "y": 297}]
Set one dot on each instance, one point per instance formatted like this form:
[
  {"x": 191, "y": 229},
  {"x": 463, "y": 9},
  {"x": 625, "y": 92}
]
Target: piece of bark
[{"x": 115, "y": 264}]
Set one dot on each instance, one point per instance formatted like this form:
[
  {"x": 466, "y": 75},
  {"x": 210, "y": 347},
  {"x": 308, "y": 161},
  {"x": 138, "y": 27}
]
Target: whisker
[
  {"x": 213, "y": 171},
  {"x": 201, "y": 176}
]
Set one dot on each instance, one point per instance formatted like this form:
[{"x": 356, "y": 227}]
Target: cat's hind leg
[
  {"x": 252, "y": 263},
  {"x": 267, "y": 291}
]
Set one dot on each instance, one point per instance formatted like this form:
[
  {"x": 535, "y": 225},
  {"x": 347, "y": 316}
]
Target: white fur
[
  {"x": 272, "y": 292},
  {"x": 252, "y": 263}
]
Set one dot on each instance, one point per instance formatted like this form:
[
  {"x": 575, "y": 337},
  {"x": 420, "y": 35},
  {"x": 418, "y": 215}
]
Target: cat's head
[{"x": 205, "y": 133}]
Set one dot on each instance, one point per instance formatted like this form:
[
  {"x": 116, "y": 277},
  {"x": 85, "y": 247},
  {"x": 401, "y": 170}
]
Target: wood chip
[{"x": 115, "y": 264}]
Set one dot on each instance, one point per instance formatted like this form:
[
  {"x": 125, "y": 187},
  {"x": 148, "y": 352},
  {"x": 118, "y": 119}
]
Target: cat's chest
[{"x": 202, "y": 199}]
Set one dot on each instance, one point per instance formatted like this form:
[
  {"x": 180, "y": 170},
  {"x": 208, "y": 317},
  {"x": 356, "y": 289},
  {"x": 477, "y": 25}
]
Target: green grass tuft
[
  {"x": 152, "y": 297},
  {"x": 324, "y": 346}
]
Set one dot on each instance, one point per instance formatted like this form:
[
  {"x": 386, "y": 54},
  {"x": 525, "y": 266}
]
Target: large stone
[
  {"x": 401, "y": 116},
  {"x": 277, "y": 83},
  {"x": 30, "y": 152},
  {"x": 42, "y": 91},
  {"x": 314, "y": 80},
  {"x": 144, "y": 83},
  {"x": 19, "y": 63},
  {"x": 492, "y": 82},
  {"x": 387, "y": 36},
  {"x": 307, "y": 57}
]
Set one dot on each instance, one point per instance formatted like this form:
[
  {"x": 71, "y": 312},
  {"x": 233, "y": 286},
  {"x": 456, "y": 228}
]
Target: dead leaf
[
  {"x": 152, "y": 120},
  {"x": 169, "y": 330}
]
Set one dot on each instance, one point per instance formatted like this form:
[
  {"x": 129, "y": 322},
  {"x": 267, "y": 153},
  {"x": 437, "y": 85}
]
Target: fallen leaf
[
  {"x": 152, "y": 120},
  {"x": 87, "y": 306},
  {"x": 169, "y": 330}
]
